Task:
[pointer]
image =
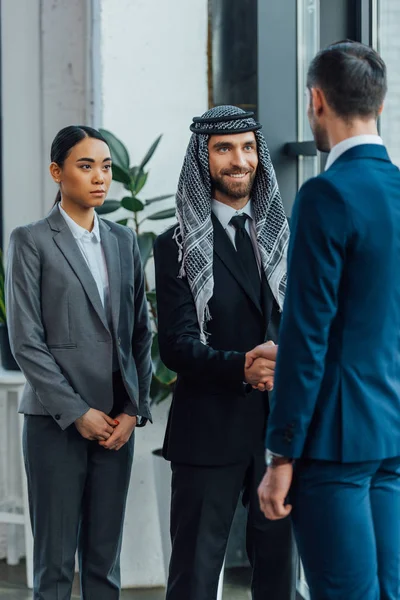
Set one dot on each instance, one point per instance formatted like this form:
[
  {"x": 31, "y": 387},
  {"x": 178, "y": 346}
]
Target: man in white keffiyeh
[
  {"x": 221, "y": 280},
  {"x": 193, "y": 199}
]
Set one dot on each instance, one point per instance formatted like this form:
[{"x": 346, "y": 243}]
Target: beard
[
  {"x": 319, "y": 133},
  {"x": 234, "y": 189}
]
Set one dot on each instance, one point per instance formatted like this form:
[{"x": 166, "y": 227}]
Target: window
[
  {"x": 308, "y": 34},
  {"x": 387, "y": 39}
]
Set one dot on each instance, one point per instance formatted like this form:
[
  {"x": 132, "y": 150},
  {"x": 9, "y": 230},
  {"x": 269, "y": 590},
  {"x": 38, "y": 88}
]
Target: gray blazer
[{"x": 57, "y": 325}]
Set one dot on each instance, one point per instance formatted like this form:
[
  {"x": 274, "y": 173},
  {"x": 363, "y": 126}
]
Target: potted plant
[
  {"x": 133, "y": 179},
  {"x": 7, "y": 359}
]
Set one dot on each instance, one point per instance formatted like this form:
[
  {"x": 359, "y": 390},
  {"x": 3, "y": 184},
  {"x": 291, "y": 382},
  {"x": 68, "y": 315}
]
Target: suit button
[
  {"x": 57, "y": 417},
  {"x": 119, "y": 341}
]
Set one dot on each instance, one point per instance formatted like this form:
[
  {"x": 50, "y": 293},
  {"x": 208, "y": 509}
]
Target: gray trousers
[{"x": 77, "y": 496}]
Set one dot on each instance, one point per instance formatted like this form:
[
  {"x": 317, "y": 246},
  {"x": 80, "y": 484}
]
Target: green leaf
[
  {"x": 121, "y": 175},
  {"x": 150, "y": 153},
  {"x": 145, "y": 243},
  {"x": 109, "y": 206},
  {"x": 119, "y": 153},
  {"x": 123, "y": 222},
  {"x": 2, "y": 306},
  {"x": 134, "y": 171},
  {"x": 163, "y": 214},
  {"x": 160, "y": 371},
  {"x": 158, "y": 199},
  {"x": 158, "y": 391},
  {"x": 140, "y": 181},
  {"x": 152, "y": 299},
  {"x": 132, "y": 204}
]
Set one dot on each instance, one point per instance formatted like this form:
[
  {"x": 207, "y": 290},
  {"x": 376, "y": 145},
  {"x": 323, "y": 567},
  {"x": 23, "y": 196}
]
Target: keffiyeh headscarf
[{"x": 194, "y": 233}]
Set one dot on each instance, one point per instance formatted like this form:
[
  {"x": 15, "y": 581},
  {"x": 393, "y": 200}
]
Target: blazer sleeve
[
  {"x": 142, "y": 336},
  {"x": 27, "y": 335},
  {"x": 178, "y": 330},
  {"x": 320, "y": 233}
]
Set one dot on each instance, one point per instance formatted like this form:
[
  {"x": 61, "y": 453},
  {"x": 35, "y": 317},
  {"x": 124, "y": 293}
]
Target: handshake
[{"x": 259, "y": 368}]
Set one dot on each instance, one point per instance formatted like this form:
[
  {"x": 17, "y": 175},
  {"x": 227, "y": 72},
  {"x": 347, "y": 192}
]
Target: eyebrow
[
  {"x": 230, "y": 145},
  {"x": 91, "y": 160}
]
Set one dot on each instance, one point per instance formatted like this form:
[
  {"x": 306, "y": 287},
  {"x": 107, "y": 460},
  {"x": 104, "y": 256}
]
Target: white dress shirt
[
  {"x": 89, "y": 243},
  {"x": 224, "y": 214},
  {"x": 351, "y": 142}
]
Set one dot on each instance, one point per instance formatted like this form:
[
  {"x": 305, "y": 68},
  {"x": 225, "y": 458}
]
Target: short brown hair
[{"x": 352, "y": 77}]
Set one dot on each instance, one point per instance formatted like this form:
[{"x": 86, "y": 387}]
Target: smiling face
[
  {"x": 233, "y": 161},
  {"x": 85, "y": 175}
]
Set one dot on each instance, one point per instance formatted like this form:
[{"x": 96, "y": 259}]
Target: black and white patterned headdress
[{"x": 194, "y": 234}]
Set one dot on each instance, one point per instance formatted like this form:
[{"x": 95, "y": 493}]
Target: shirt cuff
[{"x": 270, "y": 453}]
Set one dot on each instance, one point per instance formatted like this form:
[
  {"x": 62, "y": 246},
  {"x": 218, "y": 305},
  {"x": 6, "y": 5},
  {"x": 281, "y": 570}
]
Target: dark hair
[
  {"x": 66, "y": 139},
  {"x": 352, "y": 77}
]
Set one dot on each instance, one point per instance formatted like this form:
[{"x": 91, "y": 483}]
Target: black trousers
[
  {"x": 77, "y": 495},
  {"x": 204, "y": 501}
]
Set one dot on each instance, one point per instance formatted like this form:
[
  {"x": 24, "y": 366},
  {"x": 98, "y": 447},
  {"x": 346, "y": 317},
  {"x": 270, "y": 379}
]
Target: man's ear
[
  {"x": 318, "y": 101},
  {"x": 55, "y": 172}
]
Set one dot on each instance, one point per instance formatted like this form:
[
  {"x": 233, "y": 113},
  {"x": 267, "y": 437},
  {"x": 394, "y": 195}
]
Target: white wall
[
  {"x": 65, "y": 83},
  {"x": 153, "y": 80},
  {"x": 22, "y": 126},
  {"x": 45, "y": 86}
]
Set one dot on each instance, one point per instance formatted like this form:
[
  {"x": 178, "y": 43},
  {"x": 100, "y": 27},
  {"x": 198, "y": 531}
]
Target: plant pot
[{"x": 7, "y": 360}]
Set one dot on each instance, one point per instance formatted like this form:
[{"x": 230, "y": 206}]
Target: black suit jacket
[{"x": 214, "y": 418}]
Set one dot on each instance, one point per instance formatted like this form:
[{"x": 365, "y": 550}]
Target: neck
[
  {"x": 236, "y": 203},
  {"x": 82, "y": 215},
  {"x": 341, "y": 130}
]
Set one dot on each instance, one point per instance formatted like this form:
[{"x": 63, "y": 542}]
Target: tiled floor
[{"x": 236, "y": 586}]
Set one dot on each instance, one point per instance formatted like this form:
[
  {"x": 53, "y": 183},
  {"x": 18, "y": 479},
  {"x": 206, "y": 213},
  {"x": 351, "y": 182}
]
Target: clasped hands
[
  {"x": 259, "y": 367},
  {"x": 110, "y": 433}
]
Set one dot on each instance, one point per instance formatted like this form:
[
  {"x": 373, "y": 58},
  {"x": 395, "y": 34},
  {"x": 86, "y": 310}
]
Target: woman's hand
[
  {"x": 95, "y": 425},
  {"x": 121, "y": 433}
]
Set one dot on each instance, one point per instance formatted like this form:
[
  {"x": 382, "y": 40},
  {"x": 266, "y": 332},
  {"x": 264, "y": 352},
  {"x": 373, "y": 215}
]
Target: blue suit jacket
[{"x": 337, "y": 383}]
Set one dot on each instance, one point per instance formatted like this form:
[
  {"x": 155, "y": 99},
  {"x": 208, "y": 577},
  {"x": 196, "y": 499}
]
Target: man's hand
[
  {"x": 260, "y": 374},
  {"x": 267, "y": 352},
  {"x": 273, "y": 490},
  {"x": 95, "y": 425},
  {"x": 121, "y": 433}
]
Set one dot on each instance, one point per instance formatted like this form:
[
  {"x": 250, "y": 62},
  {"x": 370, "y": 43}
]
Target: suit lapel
[
  {"x": 227, "y": 253},
  {"x": 68, "y": 246},
  {"x": 112, "y": 253}
]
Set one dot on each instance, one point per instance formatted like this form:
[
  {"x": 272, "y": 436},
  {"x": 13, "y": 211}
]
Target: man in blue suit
[{"x": 334, "y": 430}]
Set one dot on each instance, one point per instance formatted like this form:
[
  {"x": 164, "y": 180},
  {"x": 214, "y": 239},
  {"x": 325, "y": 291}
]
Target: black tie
[{"x": 245, "y": 250}]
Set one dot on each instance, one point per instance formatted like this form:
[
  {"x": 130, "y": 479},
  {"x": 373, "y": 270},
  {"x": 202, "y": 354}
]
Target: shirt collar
[
  {"x": 79, "y": 232},
  {"x": 224, "y": 213},
  {"x": 351, "y": 142}
]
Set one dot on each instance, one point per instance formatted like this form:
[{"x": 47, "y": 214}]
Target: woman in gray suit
[{"x": 79, "y": 330}]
